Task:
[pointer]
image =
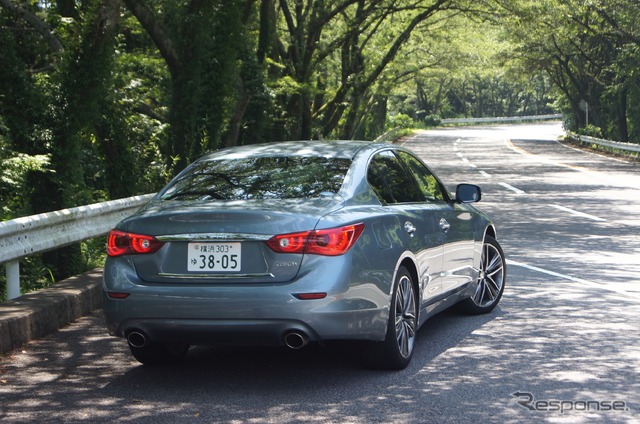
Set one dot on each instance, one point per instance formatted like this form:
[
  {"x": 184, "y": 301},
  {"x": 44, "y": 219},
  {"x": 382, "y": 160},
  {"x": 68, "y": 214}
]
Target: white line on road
[
  {"x": 582, "y": 214},
  {"x": 485, "y": 174},
  {"x": 574, "y": 279},
  {"x": 459, "y": 154},
  {"x": 512, "y": 188}
]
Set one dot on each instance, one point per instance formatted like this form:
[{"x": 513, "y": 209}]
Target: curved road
[{"x": 563, "y": 346}]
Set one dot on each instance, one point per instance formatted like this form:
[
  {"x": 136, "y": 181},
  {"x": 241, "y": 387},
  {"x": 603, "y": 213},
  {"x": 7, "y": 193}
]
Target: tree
[
  {"x": 330, "y": 55},
  {"x": 589, "y": 50},
  {"x": 199, "y": 41}
]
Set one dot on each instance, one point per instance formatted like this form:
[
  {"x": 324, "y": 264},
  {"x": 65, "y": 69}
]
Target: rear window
[{"x": 259, "y": 178}]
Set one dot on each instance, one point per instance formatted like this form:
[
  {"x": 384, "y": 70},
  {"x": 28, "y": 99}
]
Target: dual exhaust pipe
[{"x": 292, "y": 339}]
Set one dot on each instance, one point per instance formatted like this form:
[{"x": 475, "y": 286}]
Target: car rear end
[{"x": 236, "y": 257}]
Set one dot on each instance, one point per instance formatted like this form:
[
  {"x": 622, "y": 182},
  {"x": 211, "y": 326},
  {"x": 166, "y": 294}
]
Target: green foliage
[
  {"x": 591, "y": 131},
  {"x": 136, "y": 93},
  {"x": 589, "y": 50},
  {"x": 432, "y": 120},
  {"x": 401, "y": 121},
  {"x": 463, "y": 67},
  {"x": 13, "y": 177}
]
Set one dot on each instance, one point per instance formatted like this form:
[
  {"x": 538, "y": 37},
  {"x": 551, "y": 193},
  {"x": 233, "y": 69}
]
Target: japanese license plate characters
[{"x": 204, "y": 257}]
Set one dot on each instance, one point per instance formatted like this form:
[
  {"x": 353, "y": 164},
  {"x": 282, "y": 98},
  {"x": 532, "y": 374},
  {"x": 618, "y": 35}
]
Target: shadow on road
[{"x": 80, "y": 373}]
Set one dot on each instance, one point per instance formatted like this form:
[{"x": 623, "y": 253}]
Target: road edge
[{"x": 37, "y": 314}]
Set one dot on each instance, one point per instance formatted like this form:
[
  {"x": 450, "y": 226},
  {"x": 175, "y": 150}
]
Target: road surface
[{"x": 563, "y": 346}]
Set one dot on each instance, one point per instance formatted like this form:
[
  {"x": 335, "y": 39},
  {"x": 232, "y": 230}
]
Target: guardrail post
[{"x": 13, "y": 279}]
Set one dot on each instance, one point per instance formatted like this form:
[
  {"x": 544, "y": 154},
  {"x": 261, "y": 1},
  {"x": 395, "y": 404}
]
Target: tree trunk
[
  {"x": 621, "y": 115},
  {"x": 238, "y": 114}
]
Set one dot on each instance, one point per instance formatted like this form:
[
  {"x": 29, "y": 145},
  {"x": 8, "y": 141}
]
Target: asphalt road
[{"x": 563, "y": 346}]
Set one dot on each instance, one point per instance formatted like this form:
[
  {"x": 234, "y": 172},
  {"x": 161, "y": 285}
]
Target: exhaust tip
[
  {"x": 137, "y": 339},
  {"x": 295, "y": 340}
]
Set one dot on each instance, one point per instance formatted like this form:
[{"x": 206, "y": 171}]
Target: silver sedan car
[{"x": 297, "y": 242}]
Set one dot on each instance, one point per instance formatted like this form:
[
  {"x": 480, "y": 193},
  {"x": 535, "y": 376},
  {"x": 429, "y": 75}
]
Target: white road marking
[
  {"x": 459, "y": 154},
  {"x": 581, "y": 214},
  {"x": 574, "y": 279},
  {"x": 465, "y": 160},
  {"x": 512, "y": 188},
  {"x": 485, "y": 174}
]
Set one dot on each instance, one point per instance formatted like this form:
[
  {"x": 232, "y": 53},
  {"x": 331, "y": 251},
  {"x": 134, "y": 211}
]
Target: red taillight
[
  {"x": 330, "y": 242},
  {"x": 121, "y": 243},
  {"x": 289, "y": 243}
]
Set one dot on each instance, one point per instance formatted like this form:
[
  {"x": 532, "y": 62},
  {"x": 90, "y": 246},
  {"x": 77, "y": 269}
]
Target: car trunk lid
[{"x": 224, "y": 241}]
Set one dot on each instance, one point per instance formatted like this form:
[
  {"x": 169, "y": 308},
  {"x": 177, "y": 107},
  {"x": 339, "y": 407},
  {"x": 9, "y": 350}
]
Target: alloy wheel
[
  {"x": 491, "y": 276},
  {"x": 405, "y": 322}
]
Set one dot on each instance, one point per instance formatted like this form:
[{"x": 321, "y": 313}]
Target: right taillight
[
  {"x": 329, "y": 242},
  {"x": 120, "y": 243}
]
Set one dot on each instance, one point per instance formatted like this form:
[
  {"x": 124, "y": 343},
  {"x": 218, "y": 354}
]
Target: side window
[
  {"x": 429, "y": 185},
  {"x": 391, "y": 181}
]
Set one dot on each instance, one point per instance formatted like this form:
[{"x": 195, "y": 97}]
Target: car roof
[{"x": 345, "y": 149}]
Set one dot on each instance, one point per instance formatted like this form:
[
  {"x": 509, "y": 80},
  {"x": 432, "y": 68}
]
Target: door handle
[
  {"x": 410, "y": 228},
  {"x": 444, "y": 225}
]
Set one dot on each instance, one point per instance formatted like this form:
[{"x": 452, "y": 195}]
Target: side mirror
[{"x": 468, "y": 193}]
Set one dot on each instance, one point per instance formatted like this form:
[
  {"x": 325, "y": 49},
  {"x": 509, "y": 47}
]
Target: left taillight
[
  {"x": 329, "y": 242},
  {"x": 120, "y": 243}
]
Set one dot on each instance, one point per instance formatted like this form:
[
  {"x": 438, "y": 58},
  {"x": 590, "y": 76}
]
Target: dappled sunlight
[
  {"x": 565, "y": 331},
  {"x": 552, "y": 338}
]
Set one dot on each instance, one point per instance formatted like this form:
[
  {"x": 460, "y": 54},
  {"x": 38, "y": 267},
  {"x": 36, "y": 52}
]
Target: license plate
[{"x": 214, "y": 257}]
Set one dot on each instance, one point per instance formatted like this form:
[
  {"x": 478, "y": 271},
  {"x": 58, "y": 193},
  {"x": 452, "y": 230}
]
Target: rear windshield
[{"x": 260, "y": 178}]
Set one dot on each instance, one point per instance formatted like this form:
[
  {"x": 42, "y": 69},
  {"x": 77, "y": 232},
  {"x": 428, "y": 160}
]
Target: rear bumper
[
  {"x": 213, "y": 332},
  {"x": 247, "y": 314},
  {"x": 368, "y": 324}
]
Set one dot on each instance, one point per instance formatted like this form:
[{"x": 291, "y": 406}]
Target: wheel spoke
[
  {"x": 492, "y": 284},
  {"x": 494, "y": 264},
  {"x": 479, "y": 295},
  {"x": 494, "y": 272}
]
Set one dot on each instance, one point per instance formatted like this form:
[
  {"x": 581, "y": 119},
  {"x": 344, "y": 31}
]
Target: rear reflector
[
  {"x": 115, "y": 295},
  {"x": 310, "y": 296},
  {"x": 329, "y": 242}
]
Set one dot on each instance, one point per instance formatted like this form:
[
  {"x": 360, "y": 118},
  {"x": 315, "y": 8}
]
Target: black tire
[
  {"x": 160, "y": 353},
  {"x": 395, "y": 352},
  {"x": 488, "y": 288}
]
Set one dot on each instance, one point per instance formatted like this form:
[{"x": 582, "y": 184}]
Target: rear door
[
  {"x": 454, "y": 221},
  {"x": 397, "y": 190}
]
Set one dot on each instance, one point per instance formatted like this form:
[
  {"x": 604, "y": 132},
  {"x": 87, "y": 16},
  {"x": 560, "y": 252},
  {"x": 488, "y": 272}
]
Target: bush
[
  {"x": 591, "y": 131},
  {"x": 401, "y": 121},
  {"x": 432, "y": 120}
]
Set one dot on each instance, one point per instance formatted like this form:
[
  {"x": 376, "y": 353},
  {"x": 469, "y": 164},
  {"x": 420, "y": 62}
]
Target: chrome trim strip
[
  {"x": 212, "y": 276},
  {"x": 203, "y": 237}
]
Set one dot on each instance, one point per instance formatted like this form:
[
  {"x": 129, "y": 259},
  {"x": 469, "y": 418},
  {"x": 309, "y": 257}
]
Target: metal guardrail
[
  {"x": 502, "y": 119},
  {"x": 628, "y": 147},
  {"x": 22, "y": 237},
  {"x": 389, "y": 136}
]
